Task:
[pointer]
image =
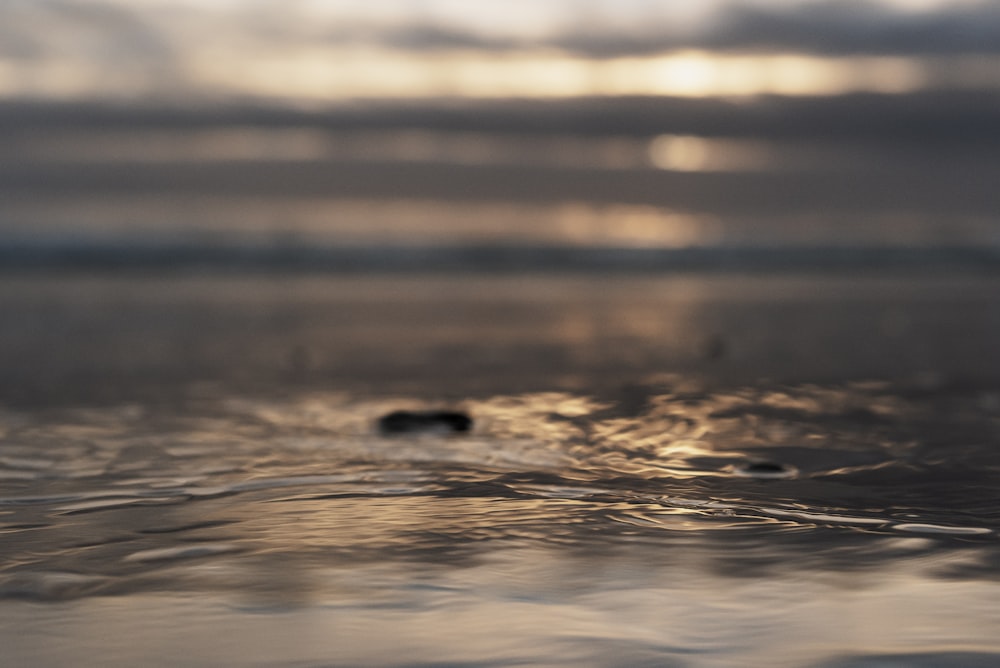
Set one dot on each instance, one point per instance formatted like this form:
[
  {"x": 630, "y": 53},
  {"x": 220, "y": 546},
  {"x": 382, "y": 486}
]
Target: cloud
[
  {"x": 106, "y": 48},
  {"x": 598, "y": 29},
  {"x": 835, "y": 27},
  {"x": 44, "y": 29},
  {"x": 830, "y": 27},
  {"x": 113, "y": 29}
]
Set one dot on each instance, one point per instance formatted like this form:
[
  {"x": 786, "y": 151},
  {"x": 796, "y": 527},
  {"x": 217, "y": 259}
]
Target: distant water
[
  {"x": 487, "y": 189},
  {"x": 696, "y": 470}
]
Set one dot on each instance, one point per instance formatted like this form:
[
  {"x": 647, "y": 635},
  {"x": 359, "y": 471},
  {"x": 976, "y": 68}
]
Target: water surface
[{"x": 644, "y": 497}]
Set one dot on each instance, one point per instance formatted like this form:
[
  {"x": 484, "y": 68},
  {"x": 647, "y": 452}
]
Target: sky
[
  {"x": 639, "y": 123},
  {"x": 325, "y": 52}
]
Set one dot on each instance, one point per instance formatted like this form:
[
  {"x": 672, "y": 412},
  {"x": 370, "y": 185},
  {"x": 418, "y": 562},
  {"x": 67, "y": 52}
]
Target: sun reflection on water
[
  {"x": 624, "y": 503},
  {"x": 331, "y": 75},
  {"x": 317, "y": 74}
]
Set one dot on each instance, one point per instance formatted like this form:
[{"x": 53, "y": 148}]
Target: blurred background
[
  {"x": 503, "y": 195},
  {"x": 506, "y": 135}
]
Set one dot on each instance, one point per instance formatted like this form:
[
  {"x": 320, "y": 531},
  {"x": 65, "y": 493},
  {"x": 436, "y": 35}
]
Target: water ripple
[{"x": 785, "y": 468}]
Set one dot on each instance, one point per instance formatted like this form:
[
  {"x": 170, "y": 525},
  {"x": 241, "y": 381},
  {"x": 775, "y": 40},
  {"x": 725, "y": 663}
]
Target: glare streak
[
  {"x": 334, "y": 74},
  {"x": 329, "y": 75}
]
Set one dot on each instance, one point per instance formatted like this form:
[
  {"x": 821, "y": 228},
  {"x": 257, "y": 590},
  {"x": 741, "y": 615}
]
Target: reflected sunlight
[
  {"x": 684, "y": 153},
  {"x": 334, "y": 222},
  {"x": 331, "y": 74}
]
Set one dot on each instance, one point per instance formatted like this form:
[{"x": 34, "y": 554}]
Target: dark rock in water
[
  {"x": 767, "y": 470},
  {"x": 423, "y": 422},
  {"x": 764, "y": 467}
]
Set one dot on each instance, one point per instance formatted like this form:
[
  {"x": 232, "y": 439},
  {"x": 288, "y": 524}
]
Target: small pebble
[
  {"x": 766, "y": 470},
  {"x": 424, "y": 422}
]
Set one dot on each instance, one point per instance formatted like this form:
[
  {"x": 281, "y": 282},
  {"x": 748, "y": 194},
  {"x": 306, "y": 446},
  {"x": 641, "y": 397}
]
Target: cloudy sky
[
  {"x": 327, "y": 51},
  {"x": 913, "y": 165}
]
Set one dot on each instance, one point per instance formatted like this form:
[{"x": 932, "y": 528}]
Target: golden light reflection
[
  {"x": 249, "y": 142},
  {"x": 252, "y": 143},
  {"x": 327, "y": 74},
  {"x": 331, "y": 74},
  {"x": 634, "y": 226},
  {"x": 524, "y": 604},
  {"x": 685, "y": 153},
  {"x": 347, "y": 222}
]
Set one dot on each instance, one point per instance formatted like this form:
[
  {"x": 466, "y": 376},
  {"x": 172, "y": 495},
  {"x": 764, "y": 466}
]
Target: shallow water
[{"x": 669, "y": 513}]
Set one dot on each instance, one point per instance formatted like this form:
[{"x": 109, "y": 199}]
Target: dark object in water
[
  {"x": 764, "y": 467},
  {"x": 422, "y": 422},
  {"x": 766, "y": 470}
]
